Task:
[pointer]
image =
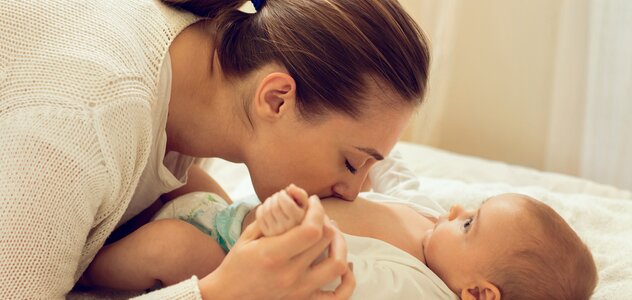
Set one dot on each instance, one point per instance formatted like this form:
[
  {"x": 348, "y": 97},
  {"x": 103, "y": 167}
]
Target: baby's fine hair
[
  {"x": 553, "y": 262},
  {"x": 333, "y": 49}
]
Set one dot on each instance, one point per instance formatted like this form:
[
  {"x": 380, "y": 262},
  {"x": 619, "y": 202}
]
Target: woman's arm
[{"x": 51, "y": 187}]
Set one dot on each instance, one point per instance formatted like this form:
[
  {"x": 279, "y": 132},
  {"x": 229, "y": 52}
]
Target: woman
[{"x": 104, "y": 104}]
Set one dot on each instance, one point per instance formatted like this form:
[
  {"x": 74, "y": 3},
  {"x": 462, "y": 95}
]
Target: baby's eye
[
  {"x": 350, "y": 167},
  {"x": 467, "y": 224}
]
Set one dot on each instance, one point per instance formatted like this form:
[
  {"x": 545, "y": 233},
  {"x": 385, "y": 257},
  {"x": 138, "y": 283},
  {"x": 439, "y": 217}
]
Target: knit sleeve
[
  {"x": 52, "y": 183},
  {"x": 186, "y": 290}
]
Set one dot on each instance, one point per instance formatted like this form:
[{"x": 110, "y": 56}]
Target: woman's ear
[
  {"x": 275, "y": 96},
  {"x": 484, "y": 290}
]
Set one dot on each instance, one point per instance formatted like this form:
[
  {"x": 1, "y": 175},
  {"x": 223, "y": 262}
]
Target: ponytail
[
  {"x": 206, "y": 8},
  {"x": 332, "y": 48}
]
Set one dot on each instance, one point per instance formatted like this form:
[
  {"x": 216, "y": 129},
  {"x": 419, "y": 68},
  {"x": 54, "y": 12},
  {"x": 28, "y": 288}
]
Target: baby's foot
[{"x": 282, "y": 211}]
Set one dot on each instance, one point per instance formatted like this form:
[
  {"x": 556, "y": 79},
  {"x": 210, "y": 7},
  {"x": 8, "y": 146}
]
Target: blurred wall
[{"x": 491, "y": 79}]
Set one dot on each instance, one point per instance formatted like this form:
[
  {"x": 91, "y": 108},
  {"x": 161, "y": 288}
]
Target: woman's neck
[{"x": 201, "y": 120}]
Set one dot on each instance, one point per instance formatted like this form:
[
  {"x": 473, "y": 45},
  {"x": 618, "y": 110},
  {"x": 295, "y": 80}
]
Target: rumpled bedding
[{"x": 600, "y": 214}]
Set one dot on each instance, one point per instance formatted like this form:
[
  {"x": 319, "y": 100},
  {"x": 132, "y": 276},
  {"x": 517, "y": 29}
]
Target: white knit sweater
[{"x": 77, "y": 82}]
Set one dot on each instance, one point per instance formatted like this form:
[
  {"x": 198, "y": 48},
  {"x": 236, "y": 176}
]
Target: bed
[{"x": 600, "y": 214}]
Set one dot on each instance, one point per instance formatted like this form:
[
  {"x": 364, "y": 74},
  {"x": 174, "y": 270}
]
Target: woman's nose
[
  {"x": 345, "y": 191},
  {"x": 455, "y": 211},
  {"x": 349, "y": 189}
]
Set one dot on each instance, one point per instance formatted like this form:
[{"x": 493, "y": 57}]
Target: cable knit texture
[{"x": 77, "y": 81}]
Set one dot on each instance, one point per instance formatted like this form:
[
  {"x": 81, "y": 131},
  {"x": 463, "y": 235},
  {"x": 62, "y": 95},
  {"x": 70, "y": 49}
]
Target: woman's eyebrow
[{"x": 372, "y": 152}]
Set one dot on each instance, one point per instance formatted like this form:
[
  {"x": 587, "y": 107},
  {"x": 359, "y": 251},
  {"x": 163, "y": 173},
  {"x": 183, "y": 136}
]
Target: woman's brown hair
[{"x": 330, "y": 47}]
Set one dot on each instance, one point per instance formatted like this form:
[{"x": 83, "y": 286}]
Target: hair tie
[{"x": 257, "y": 4}]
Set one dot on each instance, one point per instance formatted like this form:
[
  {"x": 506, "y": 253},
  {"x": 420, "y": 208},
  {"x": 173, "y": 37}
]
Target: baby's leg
[{"x": 165, "y": 251}]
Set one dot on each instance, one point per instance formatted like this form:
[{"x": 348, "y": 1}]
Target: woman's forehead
[{"x": 377, "y": 132}]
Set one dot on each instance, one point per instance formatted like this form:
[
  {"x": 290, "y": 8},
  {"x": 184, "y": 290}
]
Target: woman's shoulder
[{"x": 91, "y": 51}]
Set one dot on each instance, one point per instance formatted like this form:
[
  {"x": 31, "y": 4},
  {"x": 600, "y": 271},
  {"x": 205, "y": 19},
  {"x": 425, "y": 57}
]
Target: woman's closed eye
[{"x": 350, "y": 167}]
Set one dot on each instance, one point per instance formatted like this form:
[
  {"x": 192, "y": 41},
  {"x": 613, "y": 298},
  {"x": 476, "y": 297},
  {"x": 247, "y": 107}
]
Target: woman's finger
[
  {"x": 251, "y": 233},
  {"x": 309, "y": 257},
  {"x": 342, "y": 291},
  {"x": 331, "y": 267},
  {"x": 338, "y": 247}
]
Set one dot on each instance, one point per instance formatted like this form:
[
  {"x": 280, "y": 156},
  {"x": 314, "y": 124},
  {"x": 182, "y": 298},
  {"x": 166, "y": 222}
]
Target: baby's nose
[{"x": 455, "y": 211}]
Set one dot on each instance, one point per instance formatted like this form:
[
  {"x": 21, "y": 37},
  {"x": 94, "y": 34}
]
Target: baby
[{"x": 511, "y": 247}]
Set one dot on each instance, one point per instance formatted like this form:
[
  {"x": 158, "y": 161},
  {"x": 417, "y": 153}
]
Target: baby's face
[{"x": 465, "y": 241}]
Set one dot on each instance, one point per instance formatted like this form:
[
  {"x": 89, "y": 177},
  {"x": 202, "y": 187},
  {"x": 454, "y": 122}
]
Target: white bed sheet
[{"x": 600, "y": 214}]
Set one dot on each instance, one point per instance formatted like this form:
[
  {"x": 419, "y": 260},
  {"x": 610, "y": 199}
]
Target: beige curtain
[
  {"x": 540, "y": 83},
  {"x": 566, "y": 126},
  {"x": 607, "y": 132},
  {"x": 438, "y": 19}
]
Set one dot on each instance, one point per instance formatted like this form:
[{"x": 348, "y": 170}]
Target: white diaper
[{"x": 210, "y": 213}]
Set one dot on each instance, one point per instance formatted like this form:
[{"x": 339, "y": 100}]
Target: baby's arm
[{"x": 282, "y": 211}]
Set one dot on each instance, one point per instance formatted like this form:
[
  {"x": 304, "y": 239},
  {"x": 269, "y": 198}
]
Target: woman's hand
[{"x": 280, "y": 267}]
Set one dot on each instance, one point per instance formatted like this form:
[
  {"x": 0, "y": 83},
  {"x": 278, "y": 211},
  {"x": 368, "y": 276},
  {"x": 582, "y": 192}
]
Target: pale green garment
[{"x": 211, "y": 214}]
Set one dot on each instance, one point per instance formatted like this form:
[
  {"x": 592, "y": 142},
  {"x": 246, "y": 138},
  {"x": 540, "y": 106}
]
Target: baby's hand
[{"x": 282, "y": 211}]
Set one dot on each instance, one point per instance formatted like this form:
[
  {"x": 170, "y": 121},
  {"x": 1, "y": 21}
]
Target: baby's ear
[{"x": 484, "y": 290}]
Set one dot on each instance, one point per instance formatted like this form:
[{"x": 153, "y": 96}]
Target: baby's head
[{"x": 511, "y": 247}]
